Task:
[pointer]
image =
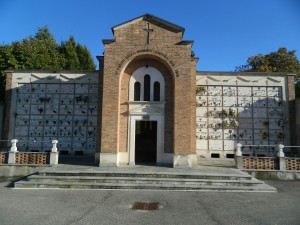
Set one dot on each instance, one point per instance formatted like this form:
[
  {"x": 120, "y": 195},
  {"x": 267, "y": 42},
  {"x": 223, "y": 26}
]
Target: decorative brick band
[
  {"x": 3, "y": 157},
  {"x": 32, "y": 158},
  {"x": 259, "y": 163},
  {"x": 292, "y": 163}
]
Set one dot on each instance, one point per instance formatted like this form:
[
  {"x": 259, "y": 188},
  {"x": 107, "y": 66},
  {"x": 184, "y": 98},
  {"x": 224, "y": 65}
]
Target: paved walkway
[{"x": 111, "y": 207}]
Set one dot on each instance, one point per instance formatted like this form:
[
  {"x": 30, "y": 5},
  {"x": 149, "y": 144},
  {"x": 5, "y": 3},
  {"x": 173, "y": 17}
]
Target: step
[
  {"x": 228, "y": 163},
  {"x": 193, "y": 180},
  {"x": 144, "y": 174},
  {"x": 184, "y": 187},
  {"x": 141, "y": 180}
]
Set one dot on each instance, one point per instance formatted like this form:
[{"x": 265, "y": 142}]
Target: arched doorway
[{"x": 146, "y": 116}]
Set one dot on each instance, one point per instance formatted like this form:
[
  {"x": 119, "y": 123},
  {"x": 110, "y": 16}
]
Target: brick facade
[{"x": 172, "y": 57}]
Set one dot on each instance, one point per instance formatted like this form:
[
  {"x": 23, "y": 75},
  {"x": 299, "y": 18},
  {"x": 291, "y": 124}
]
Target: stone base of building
[
  {"x": 108, "y": 159},
  {"x": 166, "y": 159},
  {"x": 185, "y": 161}
]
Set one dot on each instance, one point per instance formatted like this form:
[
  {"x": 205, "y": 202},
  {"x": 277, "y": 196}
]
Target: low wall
[
  {"x": 10, "y": 171},
  {"x": 274, "y": 174},
  {"x": 297, "y": 105}
]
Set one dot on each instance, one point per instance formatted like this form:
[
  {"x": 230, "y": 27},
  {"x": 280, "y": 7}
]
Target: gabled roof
[{"x": 154, "y": 20}]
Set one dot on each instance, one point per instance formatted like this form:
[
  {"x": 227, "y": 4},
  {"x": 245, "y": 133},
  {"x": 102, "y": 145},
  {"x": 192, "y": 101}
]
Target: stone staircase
[{"x": 178, "y": 181}]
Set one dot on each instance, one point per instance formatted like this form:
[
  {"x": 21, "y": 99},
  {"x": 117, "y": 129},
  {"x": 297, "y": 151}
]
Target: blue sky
[{"x": 225, "y": 32}]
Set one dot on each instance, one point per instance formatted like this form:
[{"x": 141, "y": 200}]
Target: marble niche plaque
[
  {"x": 67, "y": 99},
  {"x": 215, "y": 145},
  {"x": 201, "y": 122},
  {"x": 274, "y": 102},
  {"x": 245, "y": 134},
  {"x": 35, "y": 98},
  {"x": 259, "y": 135},
  {"x": 275, "y": 112},
  {"x": 275, "y": 124},
  {"x": 274, "y": 91},
  {"x": 66, "y": 109},
  {"x": 39, "y": 88},
  {"x": 78, "y": 145},
  {"x": 92, "y": 120},
  {"x": 259, "y": 91},
  {"x": 22, "y": 120},
  {"x": 93, "y": 89},
  {"x": 65, "y": 120},
  {"x": 260, "y": 102},
  {"x": 245, "y": 91},
  {"x": 244, "y": 101},
  {"x": 93, "y": 99},
  {"x": 215, "y": 123},
  {"x": 67, "y": 88},
  {"x": 23, "y": 109},
  {"x": 80, "y": 132},
  {"x": 91, "y": 143},
  {"x": 230, "y": 101},
  {"x": 51, "y": 109},
  {"x": 230, "y": 144},
  {"x": 35, "y": 131},
  {"x": 65, "y": 131},
  {"x": 202, "y": 134},
  {"x": 53, "y": 88},
  {"x": 245, "y": 112},
  {"x": 230, "y": 134},
  {"x": 50, "y": 131},
  {"x": 214, "y": 90},
  {"x": 81, "y": 88},
  {"x": 36, "y": 120},
  {"x": 202, "y": 144},
  {"x": 80, "y": 121},
  {"x": 215, "y": 134},
  {"x": 64, "y": 142},
  {"x": 259, "y": 112},
  {"x": 201, "y": 112},
  {"x": 24, "y": 88},
  {"x": 261, "y": 123},
  {"x": 92, "y": 109},
  {"x": 24, "y": 99},
  {"x": 245, "y": 123},
  {"x": 201, "y": 101},
  {"x": 229, "y": 91},
  {"x": 80, "y": 109},
  {"x": 35, "y": 142},
  {"x": 38, "y": 109},
  {"x": 215, "y": 101},
  {"x": 91, "y": 132},
  {"x": 21, "y": 131}
]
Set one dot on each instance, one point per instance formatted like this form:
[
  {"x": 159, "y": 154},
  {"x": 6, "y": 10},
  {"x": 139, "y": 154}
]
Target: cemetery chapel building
[{"x": 148, "y": 104}]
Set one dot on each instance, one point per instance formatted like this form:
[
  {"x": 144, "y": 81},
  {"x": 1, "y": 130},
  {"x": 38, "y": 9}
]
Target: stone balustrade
[
  {"x": 279, "y": 162},
  {"x": 15, "y": 157}
]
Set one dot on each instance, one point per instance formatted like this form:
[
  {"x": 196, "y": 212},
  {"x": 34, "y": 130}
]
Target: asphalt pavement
[{"x": 113, "y": 207}]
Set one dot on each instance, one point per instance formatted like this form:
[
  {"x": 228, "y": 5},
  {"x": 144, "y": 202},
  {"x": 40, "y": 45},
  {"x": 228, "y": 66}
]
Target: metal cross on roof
[{"x": 148, "y": 30}]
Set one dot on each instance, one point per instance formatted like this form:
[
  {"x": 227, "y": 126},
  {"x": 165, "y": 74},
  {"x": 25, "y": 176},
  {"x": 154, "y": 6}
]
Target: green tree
[
  {"x": 68, "y": 49},
  {"x": 42, "y": 52},
  {"x": 76, "y": 56},
  {"x": 85, "y": 57},
  {"x": 281, "y": 60}
]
